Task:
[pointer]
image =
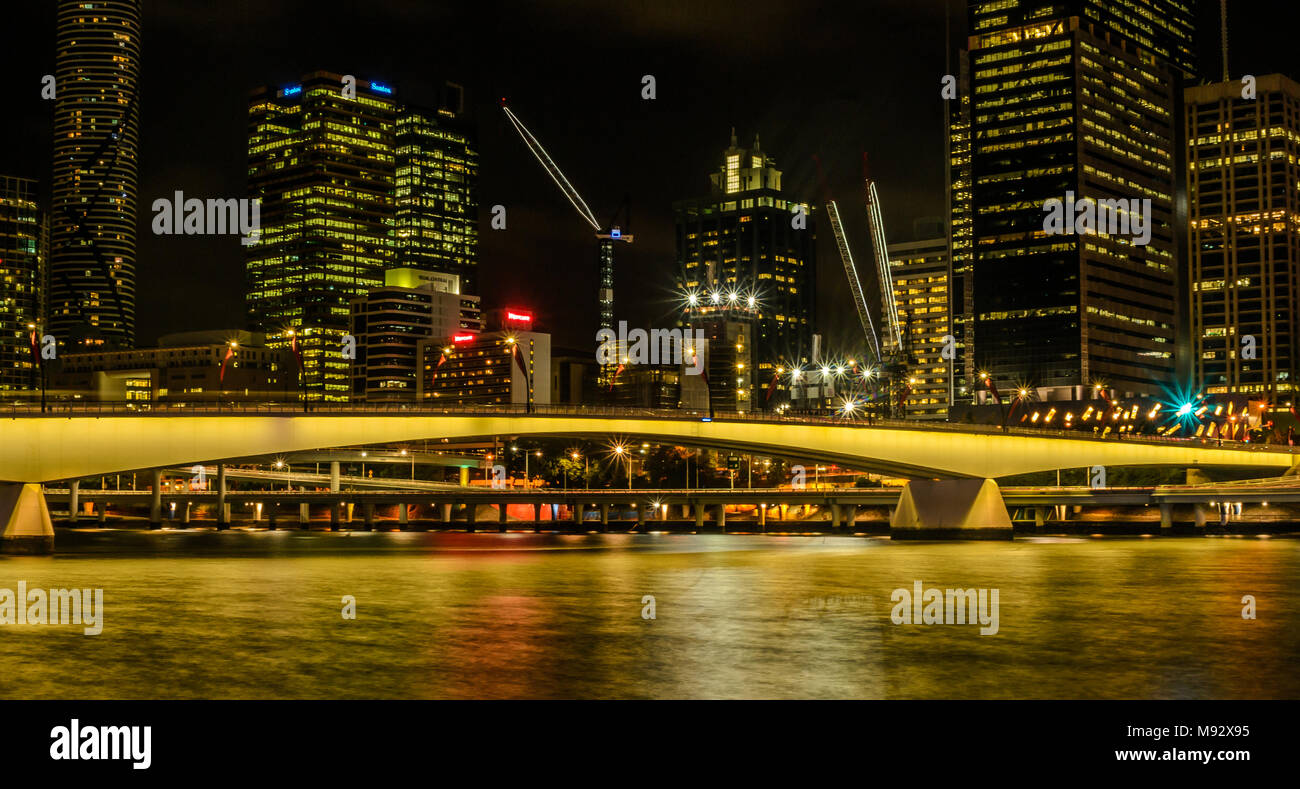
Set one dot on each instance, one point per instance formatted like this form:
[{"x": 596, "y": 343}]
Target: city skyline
[{"x": 194, "y": 132}]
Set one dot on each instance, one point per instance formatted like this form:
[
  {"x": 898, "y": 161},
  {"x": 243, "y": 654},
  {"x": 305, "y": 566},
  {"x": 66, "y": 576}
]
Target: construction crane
[
  {"x": 606, "y": 236},
  {"x": 890, "y": 352},
  {"x": 893, "y": 339}
]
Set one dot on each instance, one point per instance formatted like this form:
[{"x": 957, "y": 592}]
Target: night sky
[{"x": 831, "y": 79}]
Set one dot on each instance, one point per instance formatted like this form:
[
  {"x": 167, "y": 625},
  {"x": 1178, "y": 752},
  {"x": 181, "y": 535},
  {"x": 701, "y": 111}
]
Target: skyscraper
[
  {"x": 323, "y": 166},
  {"x": 1244, "y": 177},
  {"x": 96, "y": 153},
  {"x": 750, "y": 240},
  {"x": 351, "y": 186},
  {"x": 919, "y": 270},
  {"x": 22, "y": 276},
  {"x": 1073, "y": 100},
  {"x": 437, "y": 190}
]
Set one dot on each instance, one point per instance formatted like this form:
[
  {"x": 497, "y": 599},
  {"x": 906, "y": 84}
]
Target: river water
[{"x": 252, "y": 615}]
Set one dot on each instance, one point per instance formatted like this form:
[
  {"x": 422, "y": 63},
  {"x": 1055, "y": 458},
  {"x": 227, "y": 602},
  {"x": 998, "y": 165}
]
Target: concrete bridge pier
[
  {"x": 1040, "y": 517},
  {"x": 368, "y": 512},
  {"x": 1166, "y": 519},
  {"x": 25, "y": 525},
  {"x": 270, "y": 515},
  {"x": 699, "y": 516},
  {"x": 403, "y": 518},
  {"x": 101, "y": 509},
  {"x": 604, "y": 517},
  {"x": 185, "y": 514},
  {"x": 578, "y": 510},
  {"x": 951, "y": 509},
  {"x": 471, "y": 517},
  {"x": 445, "y": 511},
  {"x": 334, "y": 515},
  {"x": 722, "y": 517},
  {"x": 223, "y": 511},
  {"x": 537, "y": 516},
  {"x": 640, "y": 515},
  {"x": 155, "y": 501},
  {"x": 762, "y": 517},
  {"x": 304, "y": 515},
  {"x": 503, "y": 516},
  {"x": 74, "y": 500},
  {"x": 837, "y": 517}
]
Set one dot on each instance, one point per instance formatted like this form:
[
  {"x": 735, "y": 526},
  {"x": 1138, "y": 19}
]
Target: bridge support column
[
  {"x": 762, "y": 517},
  {"x": 1166, "y": 518},
  {"x": 403, "y": 518},
  {"x": 958, "y": 509},
  {"x": 155, "y": 501},
  {"x": 471, "y": 516},
  {"x": 304, "y": 515},
  {"x": 223, "y": 512},
  {"x": 699, "y": 516},
  {"x": 335, "y": 507},
  {"x": 270, "y": 515},
  {"x": 74, "y": 500},
  {"x": 722, "y": 517},
  {"x": 368, "y": 510},
  {"x": 604, "y": 516},
  {"x": 836, "y": 517},
  {"x": 334, "y": 476},
  {"x": 640, "y": 515},
  {"x": 185, "y": 513},
  {"x": 25, "y": 525},
  {"x": 578, "y": 511},
  {"x": 101, "y": 508},
  {"x": 1040, "y": 517},
  {"x": 537, "y": 516},
  {"x": 503, "y": 516}
]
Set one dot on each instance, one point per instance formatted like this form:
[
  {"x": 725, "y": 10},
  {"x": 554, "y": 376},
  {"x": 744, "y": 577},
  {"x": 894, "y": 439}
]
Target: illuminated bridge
[{"x": 92, "y": 440}]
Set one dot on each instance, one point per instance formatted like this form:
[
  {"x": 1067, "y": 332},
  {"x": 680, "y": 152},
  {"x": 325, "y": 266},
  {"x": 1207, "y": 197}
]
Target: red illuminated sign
[
  {"x": 460, "y": 338},
  {"x": 521, "y": 317}
]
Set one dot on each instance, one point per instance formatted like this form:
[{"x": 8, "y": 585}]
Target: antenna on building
[{"x": 1223, "y": 29}]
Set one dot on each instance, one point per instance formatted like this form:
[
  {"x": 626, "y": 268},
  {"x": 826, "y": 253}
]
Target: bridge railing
[{"x": 232, "y": 408}]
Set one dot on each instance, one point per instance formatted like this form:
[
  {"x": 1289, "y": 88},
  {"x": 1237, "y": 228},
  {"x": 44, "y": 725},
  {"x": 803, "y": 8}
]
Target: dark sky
[{"x": 831, "y": 79}]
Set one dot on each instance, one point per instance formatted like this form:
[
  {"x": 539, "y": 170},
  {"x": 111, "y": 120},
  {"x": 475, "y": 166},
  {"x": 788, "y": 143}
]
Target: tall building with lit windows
[
  {"x": 919, "y": 270},
  {"x": 22, "y": 281},
  {"x": 350, "y": 188},
  {"x": 1082, "y": 97},
  {"x": 740, "y": 243},
  {"x": 437, "y": 190},
  {"x": 95, "y": 173},
  {"x": 1244, "y": 177}
]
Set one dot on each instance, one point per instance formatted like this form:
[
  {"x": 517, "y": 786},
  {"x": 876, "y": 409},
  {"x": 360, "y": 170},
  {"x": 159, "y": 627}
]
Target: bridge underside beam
[
  {"x": 25, "y": 525},
  {"x": 962, "y": 509}
]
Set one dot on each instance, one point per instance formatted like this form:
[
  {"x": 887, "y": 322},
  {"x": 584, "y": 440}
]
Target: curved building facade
[{"x": 96, "y": 159}]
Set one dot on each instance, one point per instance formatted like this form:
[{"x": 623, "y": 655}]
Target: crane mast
[{"x": 888, "y": 305}]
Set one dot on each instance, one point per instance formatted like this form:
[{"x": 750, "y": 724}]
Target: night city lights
[{"x": 360, "y": 358}]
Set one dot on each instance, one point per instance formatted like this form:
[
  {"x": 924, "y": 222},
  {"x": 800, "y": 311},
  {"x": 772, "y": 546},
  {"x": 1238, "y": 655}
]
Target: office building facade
[
  {"x": 22, "y": 282},
  {"x": 750, "y": 245},
  {"x": 920, "y": 274},
  {"x": 1074, "y": 100},
  {"x": 95, "y": 173},
  {"x": 389, "y": 323},
  {"x": 1244, "y": 175},
  {"x": 351, "y": 187}
]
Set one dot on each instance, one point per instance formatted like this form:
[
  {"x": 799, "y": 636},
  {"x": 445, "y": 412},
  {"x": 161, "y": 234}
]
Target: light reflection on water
[{"x": 257, "y": 615}]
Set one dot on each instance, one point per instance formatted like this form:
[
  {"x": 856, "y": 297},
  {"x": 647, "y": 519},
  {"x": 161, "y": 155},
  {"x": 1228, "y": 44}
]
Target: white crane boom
[
  {"x": 553, "y": 170},
  {"x": 889, "y": 306},
  {"x": 855, "y": 286}
]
